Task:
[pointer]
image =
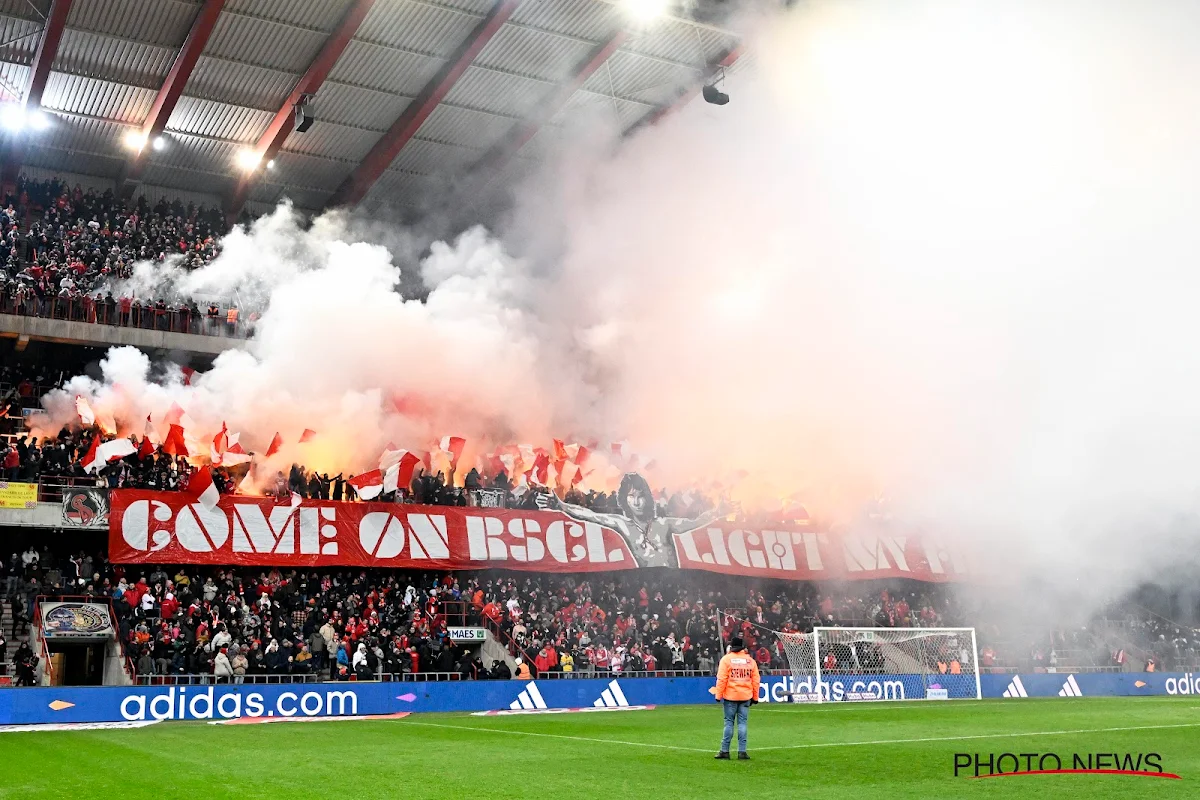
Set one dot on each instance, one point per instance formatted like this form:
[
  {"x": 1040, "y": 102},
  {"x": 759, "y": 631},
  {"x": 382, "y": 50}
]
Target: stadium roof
[{"x": 407, "y": 96}]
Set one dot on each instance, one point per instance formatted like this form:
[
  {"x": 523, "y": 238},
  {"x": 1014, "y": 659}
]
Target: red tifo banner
[{"x": 164, "y": 528}]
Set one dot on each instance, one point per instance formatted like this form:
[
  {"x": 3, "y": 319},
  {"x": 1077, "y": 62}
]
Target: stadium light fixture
[
  {"x": 271, "y": 164},
  {"x": 645, "y": 11},
  {"x": 159, "y": 143},
  {"x": 12, "y": 116},
  {"x": 37, "y": 119},
  {"x": 247, "y": 159},
  {"x": 135, "y": 141}
]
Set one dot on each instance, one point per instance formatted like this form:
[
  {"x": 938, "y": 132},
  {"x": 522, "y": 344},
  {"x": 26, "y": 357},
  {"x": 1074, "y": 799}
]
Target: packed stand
[
  {"x": 63, "y": 247},
  {"x": 338, "y": 624}
]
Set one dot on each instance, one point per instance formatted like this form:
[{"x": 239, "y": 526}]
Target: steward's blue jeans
[{"x": 739, "y": 710}]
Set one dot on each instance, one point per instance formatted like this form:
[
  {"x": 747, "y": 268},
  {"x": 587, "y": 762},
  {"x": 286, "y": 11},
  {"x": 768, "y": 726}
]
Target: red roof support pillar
[
  {"x": 39, "y": 74},
  {"x": 172, "y": 88},
  {"x": 502, "y": 152},
  {"x": 277, "y": 132},
  {"x": 360, "y": 181}
]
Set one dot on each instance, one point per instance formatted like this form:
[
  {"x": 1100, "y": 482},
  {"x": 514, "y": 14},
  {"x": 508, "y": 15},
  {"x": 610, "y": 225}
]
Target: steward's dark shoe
[
  {"x": 743, "y": 756},
  {"x": 722, "y": 755}
]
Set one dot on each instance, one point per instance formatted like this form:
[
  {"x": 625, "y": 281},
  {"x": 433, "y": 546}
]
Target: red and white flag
[
  {"x": 400, "y": 474},
  {"x": 369, "y": 485},
  {"x": 149, "y": 432},
  {"x": 235, "y": 454},
  {"x": 146, "y": 449},
  {"x": 87, "y": 417},
  {"x": 174, "y": 415},
  {"x": 174, "y": 444},
  {"x": 308, "y": 435},
  {"x": 276, "y": 443},
  {"x": 220, "y": 444},
  {"x": 454, "y": 446},
  {"x": 188, "y": 373},
  {"x": 541, "y": 469},
  {"x": 202, "y": 490},
  {"x": 296, "y": 500},
  {"x": 100, "y": 454},
  {"x": 89, "y": 458}
]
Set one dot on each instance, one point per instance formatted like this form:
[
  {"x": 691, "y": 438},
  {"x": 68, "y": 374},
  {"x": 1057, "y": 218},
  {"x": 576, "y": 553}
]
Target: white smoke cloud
[{"x": 937, "y": 252}]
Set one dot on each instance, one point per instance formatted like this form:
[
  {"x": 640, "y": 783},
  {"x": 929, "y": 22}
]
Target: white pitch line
[
  {"x": 555, "y": 736},
  {"x": 977, "y": 736},
  {"x": 810, "y": 745}
]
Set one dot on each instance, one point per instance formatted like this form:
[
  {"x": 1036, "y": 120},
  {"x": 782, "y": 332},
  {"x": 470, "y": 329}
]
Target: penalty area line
[
  {"x": 977, "y": 736},
  {"x": 555, "y": 736}
]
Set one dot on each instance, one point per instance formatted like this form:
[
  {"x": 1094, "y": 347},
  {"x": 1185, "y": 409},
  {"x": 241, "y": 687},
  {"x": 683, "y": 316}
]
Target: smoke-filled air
[{"x": 935, "y": 261}]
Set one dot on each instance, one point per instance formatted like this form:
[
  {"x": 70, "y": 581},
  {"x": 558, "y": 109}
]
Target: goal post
[
  {"x": 836, "y": 664},
  {"x": 858, "y": 664}
]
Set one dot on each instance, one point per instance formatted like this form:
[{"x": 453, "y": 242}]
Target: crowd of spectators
[
  {"x": 227, "y": 623},
  {"x": 335, "y": 624},
  {"x": 64, "y": 248}
]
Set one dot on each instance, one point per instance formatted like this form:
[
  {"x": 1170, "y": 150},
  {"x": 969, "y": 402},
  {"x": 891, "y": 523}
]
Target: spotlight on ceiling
[
  {"x": 303, "y": 120},
  {"x": 247, "y": 159},
  {"x": 135, "y": 141},
  {"x": 12, "y": 116},
  {"x": 37, "y": 119},
  {"x": 645, "y": 11},
  {"x": 271, "y": 164},
  {"x": 159, "y": 143},
  {"x": 714, "y": 95}
]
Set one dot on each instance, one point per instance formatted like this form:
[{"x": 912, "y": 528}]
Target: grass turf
[{"x": 845, "y": 751}]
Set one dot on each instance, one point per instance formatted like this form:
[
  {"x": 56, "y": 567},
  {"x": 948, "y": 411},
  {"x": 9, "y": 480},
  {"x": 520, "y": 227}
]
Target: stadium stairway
[
  {"x": 494, "y": 650},
  {"x": 6, "y": 621},
  {"x": 898, "y": 662}
]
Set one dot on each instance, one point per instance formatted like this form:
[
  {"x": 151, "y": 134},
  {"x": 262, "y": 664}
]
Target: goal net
[{"x": 848, "y": 664}]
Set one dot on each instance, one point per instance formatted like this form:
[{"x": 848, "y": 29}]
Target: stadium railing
[
  {"x": 210, "y": 680},
  {"x": 146, "y": 318}
]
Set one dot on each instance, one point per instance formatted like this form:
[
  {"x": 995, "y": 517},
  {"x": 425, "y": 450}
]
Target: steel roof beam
[
  {"x": 172, "y": 89},
  {"x": 360, "y": 181},
  {"x": 280, "y": 127},
  {"x": 39, "y": 74},
  {"x": 495, "y": 159}
]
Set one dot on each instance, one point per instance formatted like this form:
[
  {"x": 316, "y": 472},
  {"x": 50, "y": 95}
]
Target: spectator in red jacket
[{"x": 543, "y": 661}]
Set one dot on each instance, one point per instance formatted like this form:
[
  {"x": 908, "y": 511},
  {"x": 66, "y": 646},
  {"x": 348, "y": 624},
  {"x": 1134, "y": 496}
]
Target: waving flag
[
  {"x": 149, "y": 432},
  {"x": 188, "y": 373},
  {"x": 276, "y": 443},
  {"x": 174, "y": 444},
  {"x": 400, "y": 474},
  {"x": 174, "y": 414},
  {"x": 220, "y": 444},
  {"x": 202, "y": 490},
  {"x": 89, "y": 459},
  {"x": 454, "y": 446},
  {"x": 146, "y": 449},
  {"x": 368, "y": 485},
  {"x": 308, "y": 435},
  {"x": 235, "y": 454},
  {"x": 99, "y": 455},
  {"x": 541, "y": 469},
  {"x": 87, "y": 417}
]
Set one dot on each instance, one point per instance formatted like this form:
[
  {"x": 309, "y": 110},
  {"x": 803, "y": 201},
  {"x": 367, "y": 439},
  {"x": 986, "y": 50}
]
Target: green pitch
[{"x": 844, "y": 751}]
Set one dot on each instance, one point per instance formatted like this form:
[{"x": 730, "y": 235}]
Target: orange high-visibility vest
[{"x": 737, "y": 677}]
